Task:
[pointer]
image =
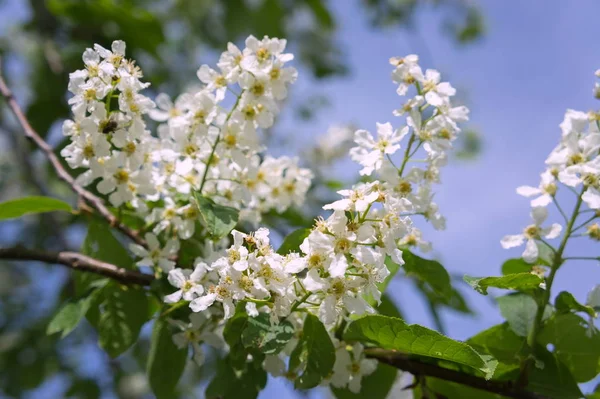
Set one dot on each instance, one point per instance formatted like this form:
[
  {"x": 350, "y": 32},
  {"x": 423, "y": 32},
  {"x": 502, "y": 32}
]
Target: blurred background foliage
[{"x": 170, "y": 39}]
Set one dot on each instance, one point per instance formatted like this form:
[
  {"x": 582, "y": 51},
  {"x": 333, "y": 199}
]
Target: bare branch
[
  {"x": 77, "y": 261},
  {"x": 419, "y": 368},
  {"x": 96, "y": 202}
]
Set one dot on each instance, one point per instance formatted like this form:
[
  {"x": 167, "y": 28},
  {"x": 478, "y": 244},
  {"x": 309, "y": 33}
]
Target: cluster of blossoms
[
  {"x": 343, "y": 257},
  {"x": 200, "y": 145},
  {"x": 573, "y": 164}
]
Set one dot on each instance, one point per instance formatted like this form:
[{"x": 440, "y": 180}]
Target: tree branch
[
  {"x": 418, "y": 368},
  {"x": 77, "y": 261},
  {"x": 96, "y": 202}
]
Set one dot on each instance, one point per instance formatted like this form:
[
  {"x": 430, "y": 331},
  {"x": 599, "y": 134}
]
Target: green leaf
[
  {"x": 519, "y": 281},
  {"x": 232, "y": 333},
  {"x": 314, "y": 356},
  {"x": 166, "y": 362},
  {"x": 447, "y": 389},
  {"x": 229, "y": 383},
  {"x": 516, "y": 265},
  {"x": 292, "y": 241},
  {"x": 502, "y": 343},
  {"x": 268, "y": 339},
  {"x": 519, "y": 311},
  {"x": 429, "y": 271},
  {"x": 387, "y": 307},
  {"x": 390, "y": 333},
  {"x": 551, "y": 378},
  {"x": 101, "y": 244},
  {"x": 374, "y": 386},
  {"x": 576, "y": 345},
  {"x": 219, "y": 219},
  {"x": 321, "y": 13},
  {"x": 125, "y": 310},
  {"x": 22, "y": 206},
  {"x": 565, "y": 302},
  {"x": 69, "y": 316}
]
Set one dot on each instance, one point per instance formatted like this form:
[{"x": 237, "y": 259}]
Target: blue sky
[{"x": 537, "y": 59}]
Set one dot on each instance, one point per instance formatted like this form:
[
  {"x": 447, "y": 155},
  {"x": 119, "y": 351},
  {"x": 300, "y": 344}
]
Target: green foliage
[
  {"x": 314, "y": 356},
  {"x": 575, "y": 344},
  {"x": 128, "y": 19},
  {"x": 27, "y": 205},
  {"x": 232, "y": 383},
  {"x": 519, "y": 310},
  {"x": 292, "y": 241},
  {"x": 266, "y": 338},
  {"x": 374, "y": 386},
  {"x": 232, "y": 333},
  {"x": 519, "y": 281},
  {"x": 565, "y": 302},
  {"x": 124, "y": 312},
  {"x": 101, "y": 244},
  {"x": 218, "y": 219},
  {"x": 430, "y": 272},
  {"x": 395, "y": 334},
  {"x": 516, "y": 265},
  {"x": 69, "y": 316},
  {"x": 166, "y": 362}
]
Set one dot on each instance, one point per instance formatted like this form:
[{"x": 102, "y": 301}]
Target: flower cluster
[
  {"x": 573, "y": 164},
  {"x": 343, "y": 258},
  {"x": 200, "y": 145}
]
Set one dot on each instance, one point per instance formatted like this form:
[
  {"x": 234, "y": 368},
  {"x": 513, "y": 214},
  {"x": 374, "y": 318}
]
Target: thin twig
[
  {"x": 96, "y": 202},
  {"x": 77, "y": 261},
  {"x": 421, "y": 369}
]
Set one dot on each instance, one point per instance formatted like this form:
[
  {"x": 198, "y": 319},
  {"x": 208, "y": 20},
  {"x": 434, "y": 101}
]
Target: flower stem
[{"x": 557, "y": 261}]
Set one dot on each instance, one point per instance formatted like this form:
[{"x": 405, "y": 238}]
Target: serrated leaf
[
  {"x": 519, "y": 310},
  {"x": 373, "y": 386},
  {"x": 292, "y": 241},
  {"x": 314, "y": 356},
  {"x": 125, "y": 310},
  {"x": 218, "y": 219},
  {"x": 166, "y": 362},
  {"x": 575, "y": 344},
  {"x": 429, "y": 271},
  {"x": 396, "y": 334},
  {"x": 516, "y": 265},
  {"x": 18, "y": 207},
  {"x": 519, "y": 281},
  {"x": 268, "y": 339},
  {"x": 565, "y": 302}
]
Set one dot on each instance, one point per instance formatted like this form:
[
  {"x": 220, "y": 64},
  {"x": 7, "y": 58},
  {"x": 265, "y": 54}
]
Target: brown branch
[
  {"x": 419, "y": 368},
  {"x": 77, "y": 261},
  {"x": 96, "y": 202}
]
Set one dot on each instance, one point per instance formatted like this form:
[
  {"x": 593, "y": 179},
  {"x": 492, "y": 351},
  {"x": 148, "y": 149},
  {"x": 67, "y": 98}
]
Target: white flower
[
  {"x": 545, "y": 192},
  {"x": 188, "y": 282},
  {"x": 532, "y": 233},
  {"x": 370, "y": 153},
  {"x": 156, "y": 255}
]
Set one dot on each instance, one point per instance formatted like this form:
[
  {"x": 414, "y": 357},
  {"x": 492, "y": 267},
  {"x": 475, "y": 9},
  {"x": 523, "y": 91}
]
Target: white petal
[
  {"x": 202, "y": 303},
  {"x": 554, "y": 231},
  {"x": 174, "y": 297},
  {"x": 512, "y": 241},
  {"x": 528, "y": 191},
  {"x": 539, "y": 214},
  {"x": 176, "y": 278},
  {"x": 530, "y": 254}
]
